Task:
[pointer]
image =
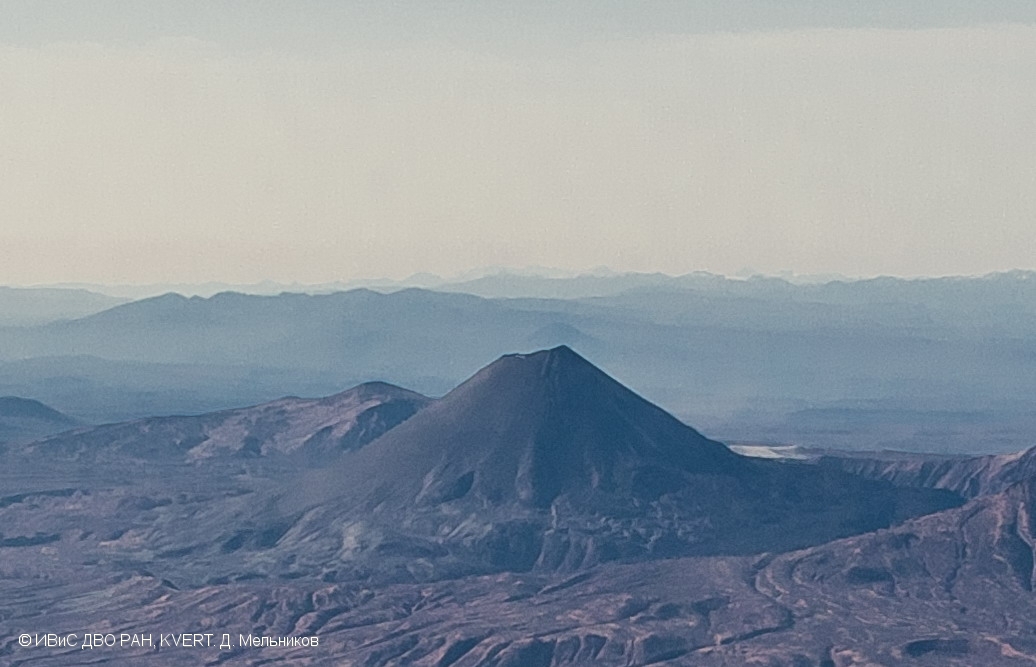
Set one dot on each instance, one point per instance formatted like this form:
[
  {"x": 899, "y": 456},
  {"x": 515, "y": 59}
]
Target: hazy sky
[{"x": 313, "y": 141}]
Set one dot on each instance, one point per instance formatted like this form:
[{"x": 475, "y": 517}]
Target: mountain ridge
[
  {"x": 26, "y": 419},
  {"x": 741, "y": 360},
  {"x": 312, "y": 430}
]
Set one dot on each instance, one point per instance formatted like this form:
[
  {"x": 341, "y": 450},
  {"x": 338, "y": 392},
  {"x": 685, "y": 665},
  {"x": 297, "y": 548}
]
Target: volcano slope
[
  {"x": 544, "y": 462},
  {"x": 539, "y": 514}
]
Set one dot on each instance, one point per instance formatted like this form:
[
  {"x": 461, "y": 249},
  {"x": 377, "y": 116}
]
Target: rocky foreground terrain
[{"x": 540, "y": 514}]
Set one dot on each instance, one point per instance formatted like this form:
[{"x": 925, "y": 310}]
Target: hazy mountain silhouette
[
  {"x": 30, "y": 306},
  {"x": 863, "y": 365},
  {"x": 24, "y": 419},
  {"x": 13, "y": 407}
]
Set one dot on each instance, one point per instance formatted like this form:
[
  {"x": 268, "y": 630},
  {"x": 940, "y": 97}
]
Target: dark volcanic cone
[
  {"x": 543, "y": 461},
  {"x": 529, "y": 428}
]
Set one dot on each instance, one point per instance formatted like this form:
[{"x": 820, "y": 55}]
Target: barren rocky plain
[{"x": 538, "y": 515}]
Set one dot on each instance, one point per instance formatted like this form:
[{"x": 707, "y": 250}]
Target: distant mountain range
[
  {"x": 935, "y": 365},
  {"x": 559, "y": 284},
  {"x": 36, "y": 305},
  {"x": 24, "y": 420}
]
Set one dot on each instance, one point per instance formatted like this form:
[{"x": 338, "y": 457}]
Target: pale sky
[{"x": 189, "y": 141}]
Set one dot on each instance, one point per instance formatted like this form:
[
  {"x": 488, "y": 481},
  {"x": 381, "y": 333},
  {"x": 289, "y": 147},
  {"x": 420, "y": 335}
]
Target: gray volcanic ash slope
[
  {"x": 948, "y": 589},
  {"x": 953, "y": 588}
]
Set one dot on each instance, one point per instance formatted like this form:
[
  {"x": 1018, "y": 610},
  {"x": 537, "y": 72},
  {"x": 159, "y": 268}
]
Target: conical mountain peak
[
  {"x": 529, "y": 428},
  {"x": 542, "y": 460},
  {"x": 542, "y": 375},
  {"x": 559, "y": 354},
  {"x": 558, "y": 359}
]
